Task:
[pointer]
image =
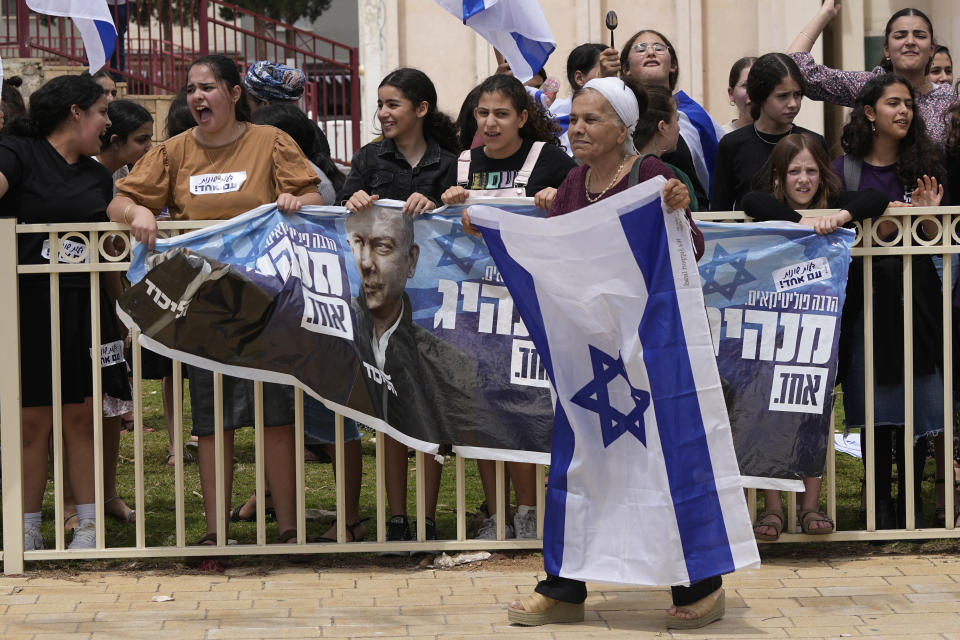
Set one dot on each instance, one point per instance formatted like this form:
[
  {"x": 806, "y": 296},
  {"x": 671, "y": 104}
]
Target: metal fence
[
  {"x": 907, "y": 241},
  {"x": 160, "y": 39}
]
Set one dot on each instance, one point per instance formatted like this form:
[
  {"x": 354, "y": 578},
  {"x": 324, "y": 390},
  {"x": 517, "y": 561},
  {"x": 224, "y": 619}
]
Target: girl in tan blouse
[{"x": 219, "y": 169}]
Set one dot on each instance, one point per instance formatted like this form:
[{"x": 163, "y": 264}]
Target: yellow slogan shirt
[{"x": 198, "y": 182}]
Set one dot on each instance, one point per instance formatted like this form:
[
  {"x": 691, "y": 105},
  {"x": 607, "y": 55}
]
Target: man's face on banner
[{"x": 386, "y": 256}]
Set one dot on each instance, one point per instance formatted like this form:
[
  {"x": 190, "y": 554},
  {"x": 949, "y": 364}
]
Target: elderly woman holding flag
[{"x": 603, "y": 117}]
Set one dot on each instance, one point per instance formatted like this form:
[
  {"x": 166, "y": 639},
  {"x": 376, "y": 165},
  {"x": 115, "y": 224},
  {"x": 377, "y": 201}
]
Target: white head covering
[{"x": 623, "y": 101}]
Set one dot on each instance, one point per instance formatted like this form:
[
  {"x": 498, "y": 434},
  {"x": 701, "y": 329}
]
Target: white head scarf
[{"x": 623, "y": 101}]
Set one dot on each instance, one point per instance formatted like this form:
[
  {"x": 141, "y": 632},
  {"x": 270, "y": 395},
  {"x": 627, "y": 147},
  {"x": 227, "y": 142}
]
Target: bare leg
[
  {"x": 166, "y": 396},
  {"x": 524, "y": 478},
  {"x": 36, "y": 425},
  {"x": 431, "y": 473},
  {"x": 352, "y": 475},
  {"x": 395, "y": 463},
  {"x": 111, "y": 455},
  {"x": 281, "y": 474},
  {"x": 488, "y": 478},
  {"x": 206, "y": 455},
  {"x": 78, "y": 449}
]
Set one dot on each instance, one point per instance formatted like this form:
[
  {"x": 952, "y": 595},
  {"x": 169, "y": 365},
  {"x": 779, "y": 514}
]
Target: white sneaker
[
  {"x": 32, "y": 540},
  {"x": 85, "y": 535},
  {"x": 488, "y": 530},
  {"x": 525, "y": 524}
]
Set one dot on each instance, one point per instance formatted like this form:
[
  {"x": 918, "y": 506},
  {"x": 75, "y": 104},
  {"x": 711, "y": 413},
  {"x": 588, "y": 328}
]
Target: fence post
[
  {"x": 355, "y": 117},
  {"x": 23, "y": 28},
  {"x": 11, "y": 453},
  {"x": 204, "y": 35}
]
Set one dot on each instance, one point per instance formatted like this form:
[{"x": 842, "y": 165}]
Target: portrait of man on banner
[{"x": 421, "y": 385}]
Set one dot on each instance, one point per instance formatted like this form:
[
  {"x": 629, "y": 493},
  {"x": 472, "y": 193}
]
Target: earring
[{"x": 873, "y": 128}]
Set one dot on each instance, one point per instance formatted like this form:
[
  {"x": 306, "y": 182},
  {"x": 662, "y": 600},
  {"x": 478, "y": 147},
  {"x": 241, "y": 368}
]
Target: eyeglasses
[{"x": 641, "y": 47}]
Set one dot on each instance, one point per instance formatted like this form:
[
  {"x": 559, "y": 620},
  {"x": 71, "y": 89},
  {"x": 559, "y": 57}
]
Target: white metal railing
[{"x": 906, "y": 242}]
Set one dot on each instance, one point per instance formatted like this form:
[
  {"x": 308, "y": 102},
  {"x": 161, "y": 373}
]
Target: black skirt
[{"x": 76, "y": 374}]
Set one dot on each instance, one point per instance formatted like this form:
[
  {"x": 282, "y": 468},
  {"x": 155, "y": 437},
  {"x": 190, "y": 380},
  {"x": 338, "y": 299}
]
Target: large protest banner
[
  {"x": 774, "y": 294},
  {"x": 644, "y": 484},
  {"x": 404, "y": 327},
  {"x": 284, "y": 298}
]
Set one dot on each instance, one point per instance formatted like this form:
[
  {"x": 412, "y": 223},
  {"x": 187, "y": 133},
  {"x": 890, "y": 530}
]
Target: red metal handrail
[{"x": 158, "y": 47}]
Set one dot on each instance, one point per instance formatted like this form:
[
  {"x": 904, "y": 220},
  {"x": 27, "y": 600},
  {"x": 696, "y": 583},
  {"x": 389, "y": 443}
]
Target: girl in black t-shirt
[
  {"x": 48, "y": 176},
  {"x": 775, "y": 87},
  {"x": 521, "y": 156}
]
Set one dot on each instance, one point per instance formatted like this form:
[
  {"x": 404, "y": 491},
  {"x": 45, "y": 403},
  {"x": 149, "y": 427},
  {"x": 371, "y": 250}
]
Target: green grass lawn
[{"x": 159, "y": 488}]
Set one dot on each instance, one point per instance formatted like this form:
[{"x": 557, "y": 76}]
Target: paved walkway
[{"x": 882, "y": 597}]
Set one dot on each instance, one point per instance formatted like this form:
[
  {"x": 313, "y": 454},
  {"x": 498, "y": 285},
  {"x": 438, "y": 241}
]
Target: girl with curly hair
[
  {"x": 521, "y": 153},
  {"x": 887, "y": 149},
  {"x": 521, "y": 156}
]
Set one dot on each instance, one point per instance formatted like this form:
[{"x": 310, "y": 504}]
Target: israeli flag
[
  {"x": 644, "y": 484},
  {"x": 515, "y": 28},
  {"x": 702, "y": 135},
  {"x": 94, "y": 22}
]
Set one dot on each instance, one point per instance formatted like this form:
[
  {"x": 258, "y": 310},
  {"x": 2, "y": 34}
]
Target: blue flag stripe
[
  {"x": 520, "y": 284},
  {"x": 704, "y": 123},
  {"x": 534, "y": 52},
  {"x": 472, "y": 8},
  {"x": 108, "y": 36},
  {"x": 703, "y": 534}
]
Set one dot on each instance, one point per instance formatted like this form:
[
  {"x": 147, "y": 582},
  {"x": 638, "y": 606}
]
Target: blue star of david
[
  {"x": 721, "y": 258},
  {"x": 595, "y": 396},
  {"x": 450, "y": 257}
]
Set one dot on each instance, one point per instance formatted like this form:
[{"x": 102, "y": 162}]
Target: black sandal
[
  {"x": 209, "y": 540},
  {"x": 269, "y": 512},
  {"x": 351, "y": 528}
]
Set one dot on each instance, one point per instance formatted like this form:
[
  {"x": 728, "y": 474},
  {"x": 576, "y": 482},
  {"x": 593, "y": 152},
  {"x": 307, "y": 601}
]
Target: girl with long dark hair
[{"x": 887, "y": 149}]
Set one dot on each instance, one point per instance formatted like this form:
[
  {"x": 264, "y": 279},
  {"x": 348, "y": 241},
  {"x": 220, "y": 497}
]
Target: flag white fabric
[
  {"x": 93, "y": 20},
  {"x": 644, "y": 484},
  {"x": 515, "y": 28}
]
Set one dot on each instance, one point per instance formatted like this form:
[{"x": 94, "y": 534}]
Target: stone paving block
[
  {"x": 149, "y": 586},
  {"x": 943, "y": 596},
  {"x": 47, "y": 627},
  {"x": 202, "y": 595},
  {"x": 167, "y": 614},
  {"x": 229, "y": 633},
  {"x": 936, "y": 578},
  {"x": 480, "y": 599},
  {"x": 936, "y": 588},
  {"x": 871, "y": 590},
  {"x": 826, "y": 621},
  {"x": 58, "y": 636},
  {"x": 239, "y": 584},
  {"x": 825, "y": 601},
  {"x": 823, "y": 632},
  {"x": 224, "y": 605},
  {"x": 728, "y": 629},
  {"x": 118, "y": 626},
  {"x": 293, "y": 603},
  {"x": 799, "y": 592},
  {"x": 154, "y": 634},
  {"x": 768, "y": 602},
  {"x": 366, "y": 630},
  {"x": 835, "y": 581},
  {"x": 179, "y": 605},
  {"x": 19, "y": 598},
  {"x": 44, "y": 618},
  {"x": 47, "y": 607},
  {"x": 885, "y": 620},
  {"x": 908, "y": 630},
  {"x": 187, "y": 625}
]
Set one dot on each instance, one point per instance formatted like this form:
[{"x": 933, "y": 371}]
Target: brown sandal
[
  {"x": 810, "y": 516},
  {"x": 766, "y": 519}
]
